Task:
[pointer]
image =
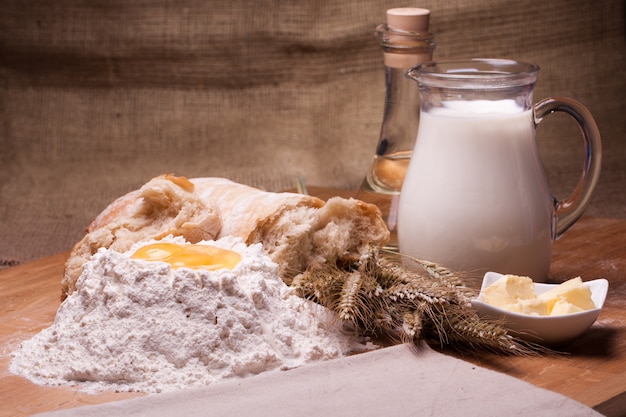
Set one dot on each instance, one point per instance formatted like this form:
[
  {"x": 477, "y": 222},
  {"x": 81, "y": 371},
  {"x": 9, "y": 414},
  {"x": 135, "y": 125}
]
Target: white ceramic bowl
[{"x": 546, "y": 330}]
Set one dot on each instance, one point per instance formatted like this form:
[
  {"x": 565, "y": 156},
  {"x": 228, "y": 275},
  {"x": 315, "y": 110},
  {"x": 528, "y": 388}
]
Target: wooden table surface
[{"x": 592, "y": 369}]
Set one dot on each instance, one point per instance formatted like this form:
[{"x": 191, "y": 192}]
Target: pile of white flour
[{"x": 135, "y": 325}]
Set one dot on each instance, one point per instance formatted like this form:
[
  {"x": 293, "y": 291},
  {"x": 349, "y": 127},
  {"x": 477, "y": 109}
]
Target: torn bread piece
[
  {"x": 166, "y": 205},
  {"x": 297, "y": 231}
]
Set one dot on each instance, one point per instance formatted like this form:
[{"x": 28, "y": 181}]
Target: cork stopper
[
  {"x": 408, "y": 19},
  {"x": 414, "y": 21}
]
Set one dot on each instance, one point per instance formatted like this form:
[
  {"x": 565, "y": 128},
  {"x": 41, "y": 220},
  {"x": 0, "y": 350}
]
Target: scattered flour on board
[{"x": 135, "y": 325}]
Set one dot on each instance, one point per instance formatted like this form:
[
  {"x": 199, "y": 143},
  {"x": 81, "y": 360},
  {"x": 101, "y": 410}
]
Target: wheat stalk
[{"x": 408, "y": 300}]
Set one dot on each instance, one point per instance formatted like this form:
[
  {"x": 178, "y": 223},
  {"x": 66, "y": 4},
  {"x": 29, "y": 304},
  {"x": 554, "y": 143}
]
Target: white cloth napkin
[{"x": 394, "y": 381}]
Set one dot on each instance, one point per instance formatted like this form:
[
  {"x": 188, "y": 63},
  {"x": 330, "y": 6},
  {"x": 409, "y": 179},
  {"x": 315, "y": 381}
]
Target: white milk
[{"x": 476, "y": 196}]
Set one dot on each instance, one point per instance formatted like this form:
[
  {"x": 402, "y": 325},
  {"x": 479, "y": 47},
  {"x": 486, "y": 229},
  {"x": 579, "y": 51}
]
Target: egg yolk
[{"x": 189, "y": 255}]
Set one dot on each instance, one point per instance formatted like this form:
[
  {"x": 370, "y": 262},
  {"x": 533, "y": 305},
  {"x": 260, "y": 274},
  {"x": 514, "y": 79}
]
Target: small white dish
[{"x": 546, "y": 330}]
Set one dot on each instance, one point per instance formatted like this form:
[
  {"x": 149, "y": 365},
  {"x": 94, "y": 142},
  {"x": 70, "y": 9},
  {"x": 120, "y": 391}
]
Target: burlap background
[{"x": 98, "y": 96}]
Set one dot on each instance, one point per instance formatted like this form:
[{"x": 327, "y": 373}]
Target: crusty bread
[
  {"x": 297, "y": 231},
  {"x": 163, "y": 206}
]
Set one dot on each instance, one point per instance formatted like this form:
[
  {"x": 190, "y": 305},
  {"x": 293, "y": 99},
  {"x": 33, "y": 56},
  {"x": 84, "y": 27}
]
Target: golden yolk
[
  {"x": 189, "y": 255},
  {"x": 157, "y": 251}
]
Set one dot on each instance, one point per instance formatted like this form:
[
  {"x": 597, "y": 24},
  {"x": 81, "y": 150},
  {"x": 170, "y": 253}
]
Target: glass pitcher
[{"x": 476, "y": 197}]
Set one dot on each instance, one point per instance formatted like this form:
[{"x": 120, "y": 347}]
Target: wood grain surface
[{"x": 591, "y": 370}]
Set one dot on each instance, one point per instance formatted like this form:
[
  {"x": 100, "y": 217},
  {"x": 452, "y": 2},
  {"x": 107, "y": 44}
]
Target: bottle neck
[{"x": 403, "y": 49}]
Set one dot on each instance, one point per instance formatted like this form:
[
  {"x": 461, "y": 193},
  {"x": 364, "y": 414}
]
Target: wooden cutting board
[{"x": 593, "y": 371}]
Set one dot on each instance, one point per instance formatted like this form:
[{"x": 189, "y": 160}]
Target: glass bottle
[{"x": 405, "y": 42}]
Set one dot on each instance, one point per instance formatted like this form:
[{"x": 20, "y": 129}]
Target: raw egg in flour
[{"x": 189, "y": 255}]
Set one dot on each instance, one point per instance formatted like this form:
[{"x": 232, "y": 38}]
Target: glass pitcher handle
[{"x": 569, "y": 210}]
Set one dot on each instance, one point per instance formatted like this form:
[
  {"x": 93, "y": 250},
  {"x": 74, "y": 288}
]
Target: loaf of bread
[{"x": 297, "y": 231}]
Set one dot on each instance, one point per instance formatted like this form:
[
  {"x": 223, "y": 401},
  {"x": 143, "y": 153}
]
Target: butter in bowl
[{"x": 549, "y": 314}]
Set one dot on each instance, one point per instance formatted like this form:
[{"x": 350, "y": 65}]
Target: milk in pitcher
[{"x": 488, "y": 202}]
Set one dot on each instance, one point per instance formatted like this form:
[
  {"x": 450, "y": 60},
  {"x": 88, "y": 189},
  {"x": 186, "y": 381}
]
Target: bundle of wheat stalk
[{"x": 408, "y": 300}]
